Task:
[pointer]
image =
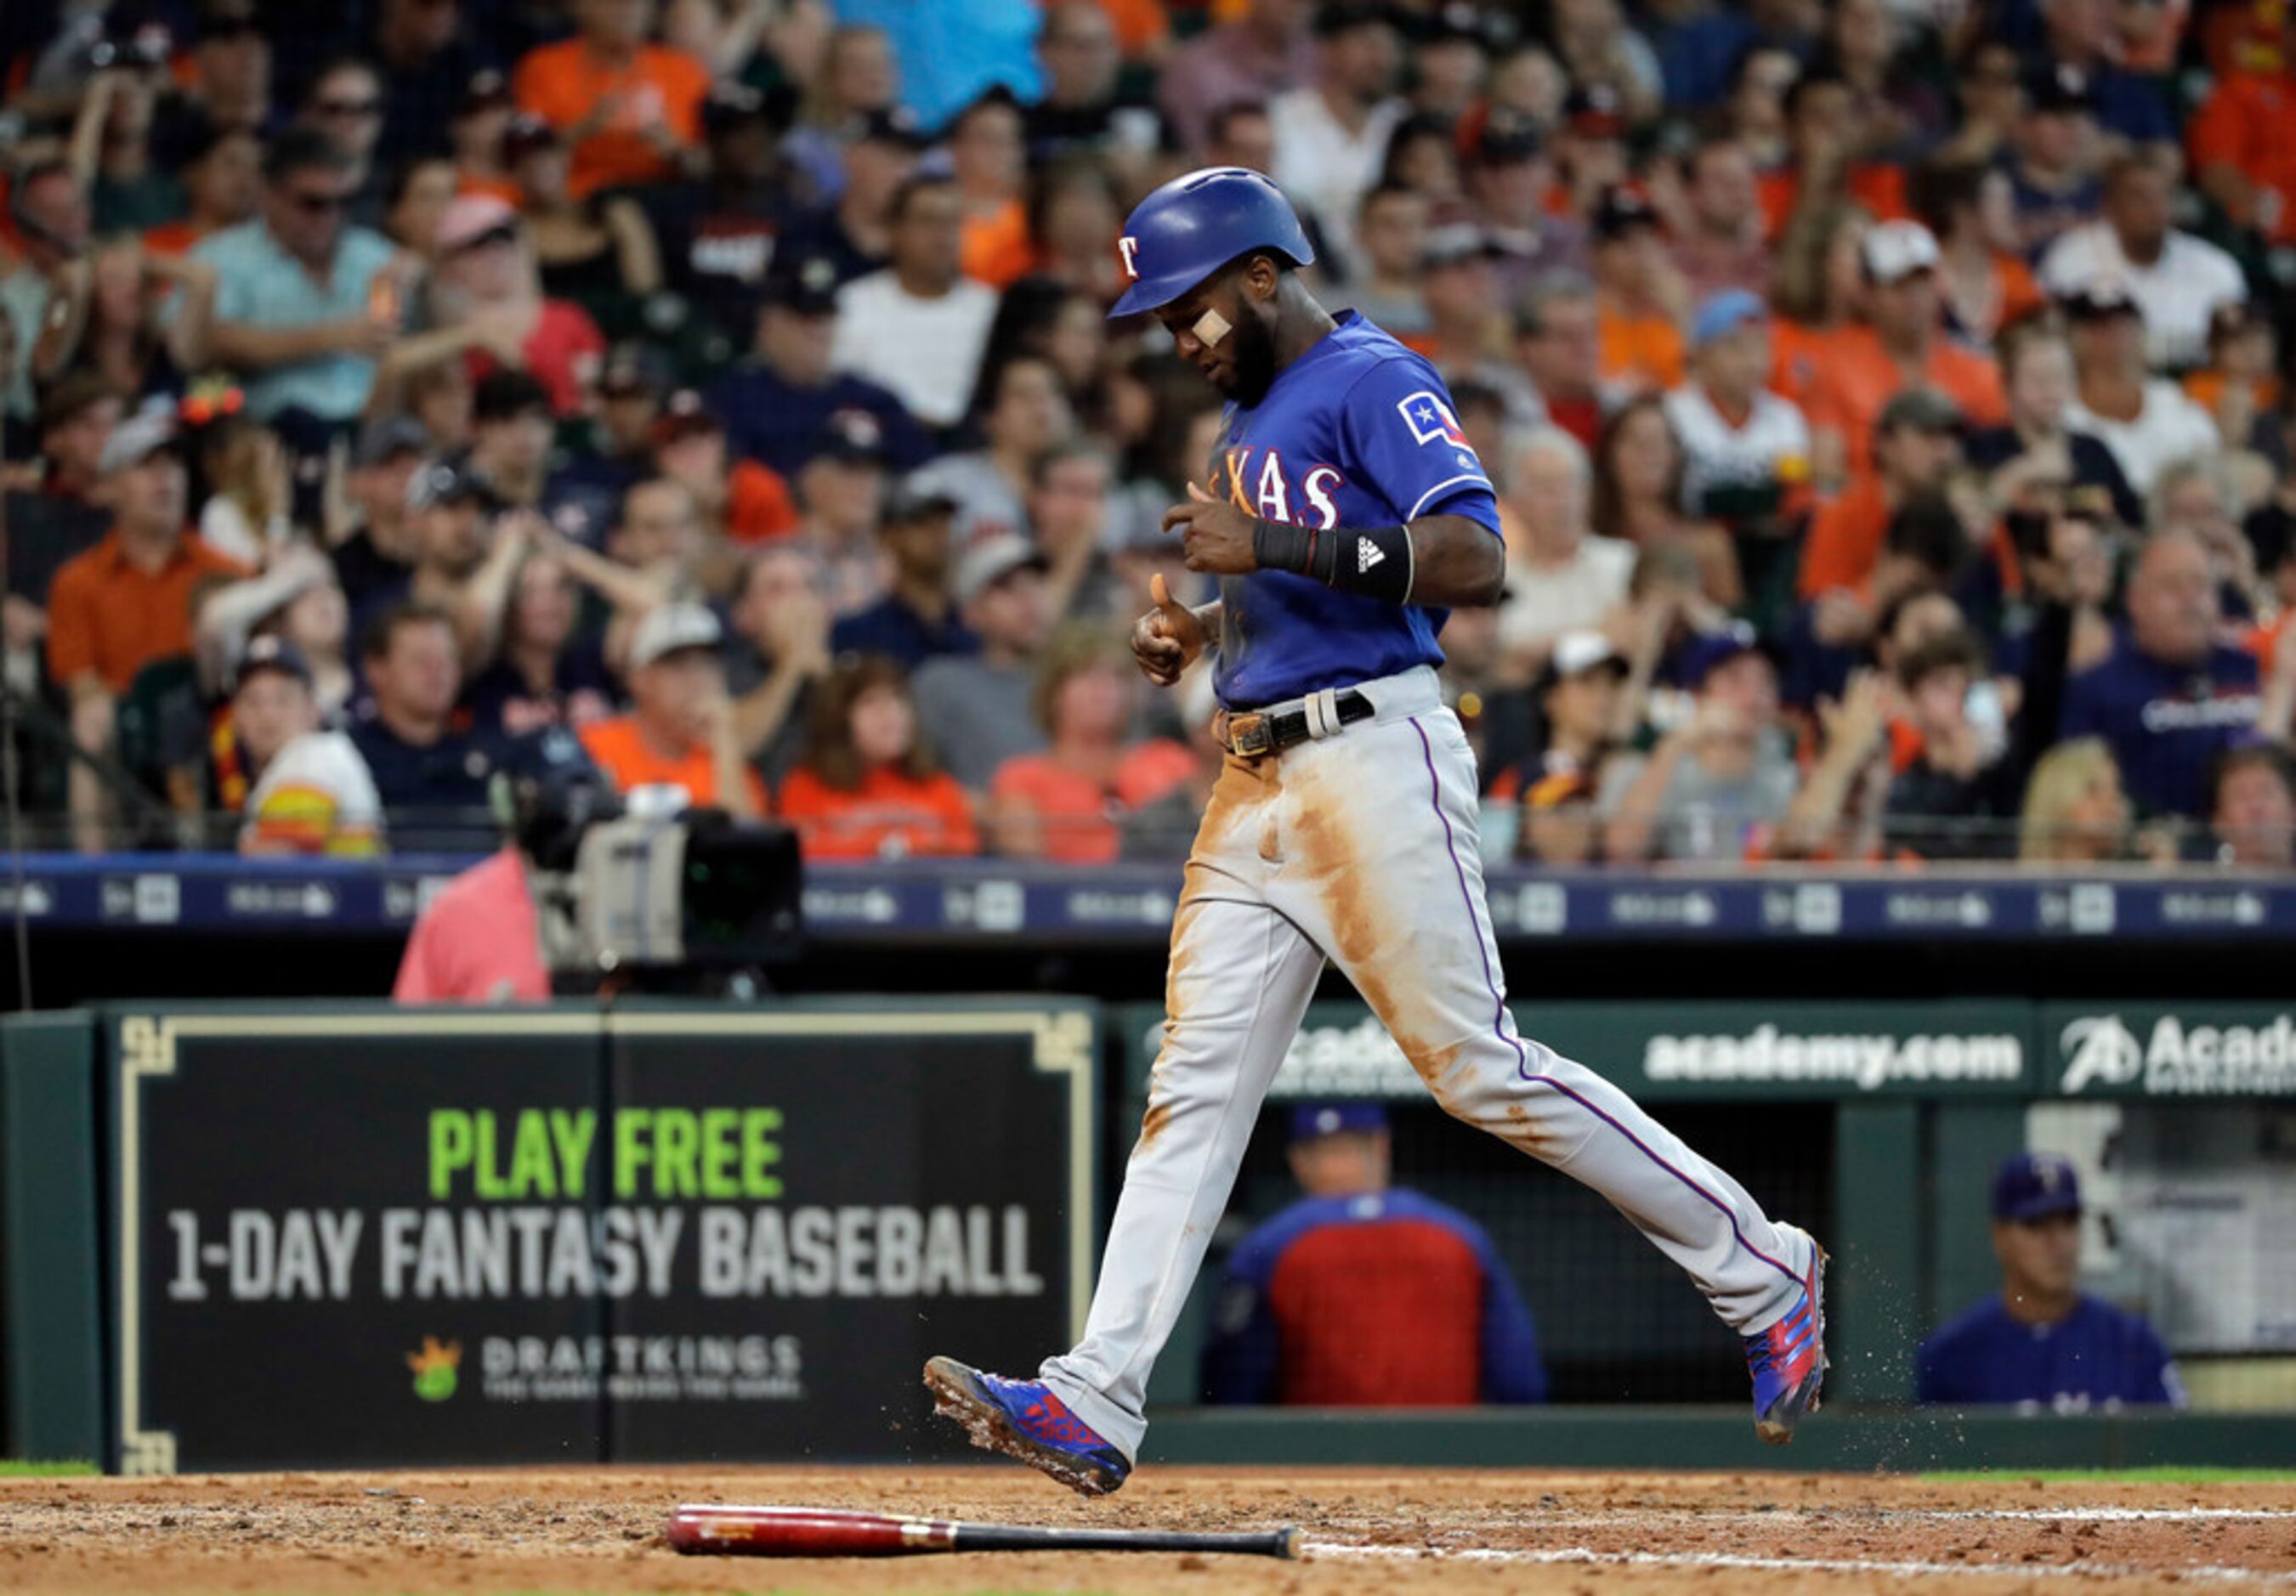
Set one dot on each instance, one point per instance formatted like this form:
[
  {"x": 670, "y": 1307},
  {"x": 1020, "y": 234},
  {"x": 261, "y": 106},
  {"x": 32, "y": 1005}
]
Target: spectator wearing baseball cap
[
  {"x": 979, "y": 706},
  {"x": 917, "y": 617},
  {"x": 1579, "y": 696},
  {"x": 1712, "y": 787},
  {"x": 484, "y": 258},
  {"x": 2052, "y": 160},
  {"x": 777, "y": 402},
  {"x": 312, "y": 792},
  {"x": 680, "y": 731},
  {"x": 2177, "y": 279},
  {"x": 427, "y": 56},
  {"x": 1745, "y": 447},
  {"x": 513, "y": 430},
  {"x": 1508, "y": 180},
  {"x": 2147, "y": 421},
  {"x": 720, "y": 230},
  {"x": 1366, "y": 1294},
  {"x": 868, "y": 786},
  {"x": 840, "y": 495},
  {"x": 2043, "y": 1345},
  {"x": 631, "y": 110},
  {"x": 634, "y": 383},
  {"x": 1639, "y": 297},
  {"x": 740, "y": 500},
  {"x": 1916, "y": 441},
  {"x": 1857, "y": 369}
]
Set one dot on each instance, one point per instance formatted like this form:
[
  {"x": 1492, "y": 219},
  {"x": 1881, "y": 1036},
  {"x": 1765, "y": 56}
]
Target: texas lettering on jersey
[{"x": 1257, "y": 481}]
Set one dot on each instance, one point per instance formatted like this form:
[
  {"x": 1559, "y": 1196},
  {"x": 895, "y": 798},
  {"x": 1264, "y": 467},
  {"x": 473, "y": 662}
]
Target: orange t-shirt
[
  {"x": 2207, "y": 390},
  {"x": 889, "y": 817},
  {"x": 1642, "y": 352},
  {"x": 997, "y": 248},
  {"x": 757, "y": 504},
  {"x": 623, "y": 753},
  {"x": 1880, "y": 188},
  {"x": 564, "y": 83},
  {"x": 1845, "y": 538},
  {"x": 2243, "y": 125},
  {"x": 1852, "y": 377},
  {"x": 2020, "y": 295},
  {"x": 1080, "y": 827},
  {"x": 171, "y": 238},
  {"x": 114, "y": 618},
  {"x": 1139, "y": 23}
]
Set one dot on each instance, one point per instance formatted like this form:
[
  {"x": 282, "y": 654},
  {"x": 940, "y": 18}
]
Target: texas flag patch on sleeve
[{"x": 1430, "y": 420}]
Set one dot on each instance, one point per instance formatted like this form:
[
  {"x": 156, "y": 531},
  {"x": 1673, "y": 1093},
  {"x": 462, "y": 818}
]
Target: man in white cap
[
  {"x": 680, "y": 730},
  {"x": 1900, "y": 344},
  {"x": 976, "y": 706}
]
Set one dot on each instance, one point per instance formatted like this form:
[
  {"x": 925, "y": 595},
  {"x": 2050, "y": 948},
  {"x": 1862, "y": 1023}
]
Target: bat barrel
[{"x": 732, "y": 1531}]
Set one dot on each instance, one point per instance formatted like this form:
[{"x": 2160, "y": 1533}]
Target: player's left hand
[{"x": 1216, "y": 536}]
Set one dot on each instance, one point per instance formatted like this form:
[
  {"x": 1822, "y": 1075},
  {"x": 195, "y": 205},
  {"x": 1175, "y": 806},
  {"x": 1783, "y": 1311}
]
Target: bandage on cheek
[{"x": 1210, "y": 328}]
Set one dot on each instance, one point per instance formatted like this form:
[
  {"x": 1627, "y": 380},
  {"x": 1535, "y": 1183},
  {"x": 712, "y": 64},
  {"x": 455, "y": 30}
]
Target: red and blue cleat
[
  {"x": 1023, "y": 1420},
  {"x": 1788, "y": 1360}
]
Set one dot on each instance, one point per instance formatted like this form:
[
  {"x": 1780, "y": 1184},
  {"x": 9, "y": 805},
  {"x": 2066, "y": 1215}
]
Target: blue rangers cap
[
  {"x": 2034, "y": 1186},
  {"x": 1312, "y": 1121},
  {"x": 1196, "y": 224}
]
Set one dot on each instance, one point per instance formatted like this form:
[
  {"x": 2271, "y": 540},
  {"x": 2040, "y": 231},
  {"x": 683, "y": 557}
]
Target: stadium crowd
[{"x": 1885, "y": 399}]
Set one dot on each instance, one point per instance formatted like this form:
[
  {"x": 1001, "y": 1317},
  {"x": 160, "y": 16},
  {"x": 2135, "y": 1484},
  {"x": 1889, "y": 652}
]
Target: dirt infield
[{"x": 1370, "y": 1531}]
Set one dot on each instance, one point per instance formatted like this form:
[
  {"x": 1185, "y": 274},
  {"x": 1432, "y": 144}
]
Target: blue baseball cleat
[
  {"x": 1023, "y": 1420},
  {"x": 1788, "y": 1360}
]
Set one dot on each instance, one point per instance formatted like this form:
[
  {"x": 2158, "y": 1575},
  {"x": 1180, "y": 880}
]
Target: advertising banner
[
  {"x": 1708, "y": 1052},
  {"x": 2200, "y": 1048},
  {"x": 415, "y": 1238}
]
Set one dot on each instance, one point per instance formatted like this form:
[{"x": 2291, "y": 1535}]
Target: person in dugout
[
  {"x": 2043, "y": 1345},
  {"x": 1363, "y": 1293}
]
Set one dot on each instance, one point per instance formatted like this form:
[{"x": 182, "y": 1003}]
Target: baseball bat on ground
[{"x": 699, "y": 1530}]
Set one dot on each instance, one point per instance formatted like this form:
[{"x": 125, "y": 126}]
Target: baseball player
[{"x": 1345, "y": 515}]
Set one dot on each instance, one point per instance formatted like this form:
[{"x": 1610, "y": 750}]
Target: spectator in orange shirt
[
  {"x": 1969, "y": 206},
  {"x": 1063, "y": 803},
  {"x": 2242, "y": 157},
  {"x": 990, "y": 162},
  {"x": 1640, "y": 299},
  {"x": 631, "y": 110},
  {"x": 127, "y": 600},
  {"x": 2240, "y": 388},
  {"x": 746, "y": 501},
  {"x": 1899, "y": 345},
  {"x": 680, "y": 732},
  {"x": 221, "y": 178},
  {"x": 1916, "y": 443},
  {"x": 867, "y": 788},
  {"x": 1824, "y": 133},
  {"x": 1821, "y": 281}
]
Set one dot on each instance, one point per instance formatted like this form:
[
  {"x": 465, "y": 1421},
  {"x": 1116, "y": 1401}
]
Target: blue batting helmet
[{"x": 1196, "y": 224}]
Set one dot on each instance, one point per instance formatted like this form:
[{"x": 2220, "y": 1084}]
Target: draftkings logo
[{"x": 436, "y": 1368}]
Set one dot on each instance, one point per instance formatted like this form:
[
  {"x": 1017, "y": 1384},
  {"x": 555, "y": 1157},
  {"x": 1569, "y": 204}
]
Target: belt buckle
[{"x": 1250, "y": 736}]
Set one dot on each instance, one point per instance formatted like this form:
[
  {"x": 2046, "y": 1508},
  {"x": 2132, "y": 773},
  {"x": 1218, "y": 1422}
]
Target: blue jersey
[
  {"x": 2165, "y": 724},
  {"x": 2097, "y": 1357},
  {"x": 1381, "y": 1299},
  {"x": 1360, "y": 432}
]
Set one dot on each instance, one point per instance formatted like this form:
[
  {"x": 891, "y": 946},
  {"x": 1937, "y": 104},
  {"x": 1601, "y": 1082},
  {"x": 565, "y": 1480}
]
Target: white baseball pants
[{"x": 1361, "y": 850}]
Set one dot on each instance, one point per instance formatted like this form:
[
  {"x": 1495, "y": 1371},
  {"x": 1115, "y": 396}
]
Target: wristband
[{"x": 1375, "y": 561}]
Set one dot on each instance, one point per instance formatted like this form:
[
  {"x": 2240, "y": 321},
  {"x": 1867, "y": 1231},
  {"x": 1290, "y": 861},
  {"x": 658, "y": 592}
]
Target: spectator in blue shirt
[
  {"x": 776, "y": 406},
  {"x": 917, "y": 616},
  {"x": 1365, "y": 1295},
  {"x": 2171, "y": 696},
  {"x": 2044, "y": 1345},
  {"x": 296, "y": 307}
]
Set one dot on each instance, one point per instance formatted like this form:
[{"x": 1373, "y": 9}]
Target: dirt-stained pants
[{"x": 1361, "y": 850}]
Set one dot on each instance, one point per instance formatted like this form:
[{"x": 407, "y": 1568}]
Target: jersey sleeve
[
  {"x": 1512, "y": 1370},
  {"x": 1240, "y": 1349},
  {"x": 1403, "y": 440}
]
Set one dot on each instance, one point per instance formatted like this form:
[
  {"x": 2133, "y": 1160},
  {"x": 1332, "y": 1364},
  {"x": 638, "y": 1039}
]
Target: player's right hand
[{"x": 1167, "y": 640}]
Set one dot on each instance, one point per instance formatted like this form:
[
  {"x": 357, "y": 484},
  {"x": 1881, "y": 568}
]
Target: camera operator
[{"x": 480, "y": 939}]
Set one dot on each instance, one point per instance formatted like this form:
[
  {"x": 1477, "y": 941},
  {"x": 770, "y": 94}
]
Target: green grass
[
  {"x": 18, "y": 1469},
  {"x": 2165, "y": 1474}
]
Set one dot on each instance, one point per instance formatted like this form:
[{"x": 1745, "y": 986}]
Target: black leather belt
[{"x": 1250, "y": 733}]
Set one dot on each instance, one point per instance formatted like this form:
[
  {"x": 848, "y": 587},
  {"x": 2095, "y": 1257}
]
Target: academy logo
[
  {"x": 1430, "y": 420},
  {"x": 1768, "y": 1053},
  {"x": 2098, "y": 1048},
  {"x": 1367, "y": 555},
  {"x": 2178, "y": 1058}
]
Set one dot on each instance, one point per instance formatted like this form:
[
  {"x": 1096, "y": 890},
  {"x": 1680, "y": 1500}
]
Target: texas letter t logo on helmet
[{"x": 1196, "y": 224}]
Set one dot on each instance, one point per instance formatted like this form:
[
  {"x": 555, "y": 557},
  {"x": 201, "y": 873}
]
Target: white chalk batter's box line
[{"x": 1586, "y": 1556}]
